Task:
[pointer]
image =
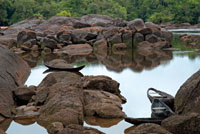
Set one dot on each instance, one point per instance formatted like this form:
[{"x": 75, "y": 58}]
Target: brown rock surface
[
  {"x": 183, "y": 124},
  {"x": 102, "y": 104},
  {"x": 63, "y": 101},
  {"x": 14, "y": 72},
  {"x": 77, "y": 49},
  {"x": 187, "y": 98},
  {"x": 148, "y": 128}
]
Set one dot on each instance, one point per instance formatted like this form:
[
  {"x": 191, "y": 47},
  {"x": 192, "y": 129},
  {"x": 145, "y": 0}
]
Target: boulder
[
  {"x": 136, "y": 24},
  {"x": 183, "y": 124},
  {"x": 2, "y": 132},
  {"x": 25, "y": 36},
  {"x": 138, "y": 37},
  {"x": 145, "y": 31},
  {"x": 152, "y": 25},
  {"x": 24, "y": 94},
  {"x": 76, "y": 49},
  {"x": 148, "y": 128},
  {"x": 55, "y": 127},
  {"x": 112, "y": 35},
  {"x": 63, "y": 101},
  {"x": 152, "y": 38},
  {"x": 102, "y": 104},
  {"x": 187, "y": 98},
  {"x": 49, "y": 43},
  {"x": 97, "y": 20},
  {"x": 104, "y": 83},
  {"x": 14, "y": 72}
]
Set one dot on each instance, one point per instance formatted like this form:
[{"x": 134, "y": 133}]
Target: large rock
[
  {"x": 148, "y": 128},
  {"x": 76, "y": 49},
  {"x": 14, "y": 72},
  {"x": 136, "y": 24},
  {"x": 63, "y": 101},
  {"x": 24, "y": 94},
  {"x": 187, "y": 98},
  {"x": 24, "y": 36},
  {"x": 102, "y": 83},
  {"x": 97, "y": 20},
  {"x": 102, "y": 104},
  {"x": 183, "y": 124}
]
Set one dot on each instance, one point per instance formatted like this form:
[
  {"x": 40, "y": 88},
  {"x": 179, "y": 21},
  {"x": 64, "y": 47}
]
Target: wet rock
[
  {"x": 47, "y": 50},
  {"x": 112, "y": 35},
  {"x": 182, "y": 124},
  {"x": 187, "y": 98},
  {"x": 136, "y": 24},
  {"x": 24, "y": 94},
  {"x": 77, "y": 129},
  {"x": 145, "y": 31},
  {"x": 102, "y": 122},
  {"x": 65, "y": 37},
  {"x": 49, "y": 43},
  {"x": 14, "y": 72},
  {"x": 5, "y": 124},
  {"x": 151, "y": 38},
  {"x": 24, "y": 36},
  {"x": 76, "y": 49},
  {"x": 138, "y": 37},
  {"x": 102, "y": 104},
  {"x": 148, "y": 128}
]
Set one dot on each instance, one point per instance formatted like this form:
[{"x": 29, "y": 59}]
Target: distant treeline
[{"x": 157, "y": 11}]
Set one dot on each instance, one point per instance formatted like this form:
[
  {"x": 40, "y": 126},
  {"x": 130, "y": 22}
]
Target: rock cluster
[
  {"x": 191, "y": 41},
  {"x": 60, "y": 33}
]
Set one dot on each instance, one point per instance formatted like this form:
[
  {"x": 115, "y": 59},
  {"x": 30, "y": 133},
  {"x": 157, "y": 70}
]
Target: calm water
[{"x": 136, "y": 74}]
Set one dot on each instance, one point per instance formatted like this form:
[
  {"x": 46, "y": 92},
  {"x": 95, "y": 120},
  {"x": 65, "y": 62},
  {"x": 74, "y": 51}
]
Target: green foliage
[
  {"x": 64, "y": 13},
  {"x": 179, "y": 11}
]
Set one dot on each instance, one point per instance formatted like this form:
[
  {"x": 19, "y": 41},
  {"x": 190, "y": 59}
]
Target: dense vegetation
[{"x": 158, "y": 11}]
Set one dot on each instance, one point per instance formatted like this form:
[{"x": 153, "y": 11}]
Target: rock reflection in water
[
  {"x": 117, "y": 61},
  {"x": 106, "y": 123}
]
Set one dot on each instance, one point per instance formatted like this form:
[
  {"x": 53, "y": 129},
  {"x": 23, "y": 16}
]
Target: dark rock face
[
  {"x": 147, "y": 128},
  {"x": 183, "y": 124},
  {"x": 14, "y": 72},
  {"x": 187, "y": 98},
  {"x": 24, "y": 94}
]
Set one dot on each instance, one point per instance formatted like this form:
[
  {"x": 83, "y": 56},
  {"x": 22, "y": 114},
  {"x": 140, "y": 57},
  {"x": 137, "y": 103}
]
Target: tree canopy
[{"x": 158, "y": 11}]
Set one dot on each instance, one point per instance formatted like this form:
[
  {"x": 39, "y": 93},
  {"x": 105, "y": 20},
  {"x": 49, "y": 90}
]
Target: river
[{"x": 166, "y": 74}]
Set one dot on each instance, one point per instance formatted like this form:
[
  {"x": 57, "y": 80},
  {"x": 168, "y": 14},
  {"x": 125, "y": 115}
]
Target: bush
[{"x": 64, "y": 13}]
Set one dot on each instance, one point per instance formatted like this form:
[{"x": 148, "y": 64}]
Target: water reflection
[
  {"x": 163, "y": 70},
  {"x": 136, "y": 60}
]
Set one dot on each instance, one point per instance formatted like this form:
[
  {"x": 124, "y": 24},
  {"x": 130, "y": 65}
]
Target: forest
[{"x": 157, "y": 11}]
